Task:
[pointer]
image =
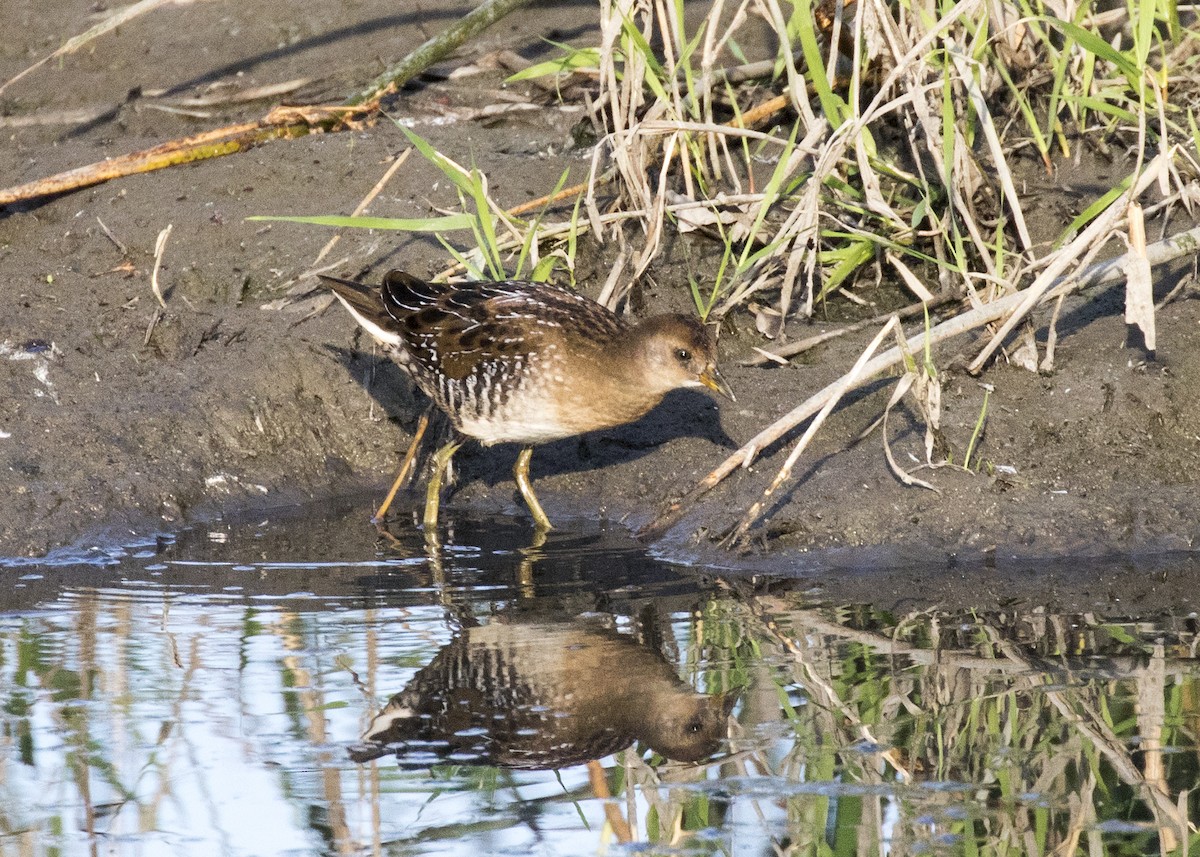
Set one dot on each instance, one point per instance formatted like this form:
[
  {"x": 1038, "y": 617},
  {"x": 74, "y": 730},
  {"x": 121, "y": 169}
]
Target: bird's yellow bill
[{"x": 712, "y": 379}]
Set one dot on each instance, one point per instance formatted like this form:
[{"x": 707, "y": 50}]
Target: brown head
[
  {"x": 676, "y": 351},
  {"x": 689, "y": 727}
]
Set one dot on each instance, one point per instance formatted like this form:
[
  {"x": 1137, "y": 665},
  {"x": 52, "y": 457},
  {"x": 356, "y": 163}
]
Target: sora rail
[{"x": 525, "y": 363}]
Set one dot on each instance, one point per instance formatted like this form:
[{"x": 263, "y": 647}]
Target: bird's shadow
[
  {"x": 383, "y": 380},
  {"x": 682, "y": 413}
]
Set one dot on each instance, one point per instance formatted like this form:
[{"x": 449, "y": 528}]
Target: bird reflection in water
[{"x": 544, "y": 695}]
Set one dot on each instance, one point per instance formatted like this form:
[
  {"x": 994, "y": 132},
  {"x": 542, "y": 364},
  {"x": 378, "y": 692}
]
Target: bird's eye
[{"x": 683, "y": 355}]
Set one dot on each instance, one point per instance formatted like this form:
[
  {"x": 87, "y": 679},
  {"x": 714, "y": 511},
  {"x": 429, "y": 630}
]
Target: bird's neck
[
  {"x": 626, "y": 376},
  {"x": 628, "y": 356}
]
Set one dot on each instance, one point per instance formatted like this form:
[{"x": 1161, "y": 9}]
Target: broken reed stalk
[
  {"x": 750, "y": 117},
  {"x": 364, "y": 204},
  {"x": 1103, "y": 273},
  {"x": 282, "y": 122}
]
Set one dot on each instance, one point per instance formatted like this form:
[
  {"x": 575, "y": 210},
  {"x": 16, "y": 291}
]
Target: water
[{"x": 217, "y": 693}]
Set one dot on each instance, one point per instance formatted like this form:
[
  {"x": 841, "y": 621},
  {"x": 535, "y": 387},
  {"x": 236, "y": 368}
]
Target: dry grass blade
[
  {"x": 301, "y": 285},
  {"x": 257, "y": 93},
  {"x": 1047, "y": 364},
  {"x": 79, "y": 116},
  {"x": 902, "y": 387},
  {"x": 120, "y": 245},
  {"x": 799, "y": 231},
  {"x": 963, "y": 64},
  {"x": 1089, "y": 239},
  {"x": 732, "y": 129},
  {"x": 367, "y": 200},
  {"x": 160, "y": 247},
  {"x": 910, "y": 279},
  {"x": 746, "y": 455},
  {"x": 612, "y": 813}
]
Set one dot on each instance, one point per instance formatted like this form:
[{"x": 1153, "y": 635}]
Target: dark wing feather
[{"x": 455, "y": 330}]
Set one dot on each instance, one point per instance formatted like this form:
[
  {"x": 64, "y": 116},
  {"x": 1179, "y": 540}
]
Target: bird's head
[
  {"x": 678, "y": 351},
  {"x": 691, "y": 727}
]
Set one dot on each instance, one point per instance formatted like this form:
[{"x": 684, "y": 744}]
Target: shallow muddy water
[{"x": 304, "y": 686}]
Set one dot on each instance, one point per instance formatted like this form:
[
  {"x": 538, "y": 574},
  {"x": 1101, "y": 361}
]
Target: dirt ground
[{"x": 120, "y": 417}]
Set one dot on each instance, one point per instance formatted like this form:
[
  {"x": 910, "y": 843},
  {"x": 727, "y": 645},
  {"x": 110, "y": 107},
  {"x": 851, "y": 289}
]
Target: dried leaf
[
  {"x": 767, "y": 319},
  {"x": 1139, "y": 287},
  {"x": 913, "y": 284},
  {"x": 1025, "y": 354}
]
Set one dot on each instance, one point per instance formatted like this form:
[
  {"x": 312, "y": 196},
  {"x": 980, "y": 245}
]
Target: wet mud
[{"x": 122, "y": 417}]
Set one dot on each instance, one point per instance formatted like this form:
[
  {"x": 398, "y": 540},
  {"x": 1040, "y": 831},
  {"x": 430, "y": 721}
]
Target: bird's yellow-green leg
[
  {"x": 521, "y": 472},
  {"x": 406, "y": 468},
  {"x": 441, "y": 460}
]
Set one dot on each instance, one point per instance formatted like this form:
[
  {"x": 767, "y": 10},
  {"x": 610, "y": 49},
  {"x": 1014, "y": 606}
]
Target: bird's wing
[{"x": 455, "y": 329}]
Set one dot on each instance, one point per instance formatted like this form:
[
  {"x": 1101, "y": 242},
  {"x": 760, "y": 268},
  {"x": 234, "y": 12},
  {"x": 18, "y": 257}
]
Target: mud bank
[{"x": 124, "y": 417}]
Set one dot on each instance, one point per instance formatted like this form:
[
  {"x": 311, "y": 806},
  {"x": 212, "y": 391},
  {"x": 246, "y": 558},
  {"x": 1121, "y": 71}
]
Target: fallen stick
[
  {"x": 437, "y": 48},
  {"x": 210, "y": 144}
]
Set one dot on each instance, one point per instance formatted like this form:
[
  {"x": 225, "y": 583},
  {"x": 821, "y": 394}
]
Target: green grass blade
[
  {"x": 832, "y": 104},
  {"x": 489, "y": 245},
  {"x": 1093, "y": 43},
  {"x": 450, "y": 170},
  {"x": 1091, "y": 211},
  {"x": 581, "y": 59}
]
